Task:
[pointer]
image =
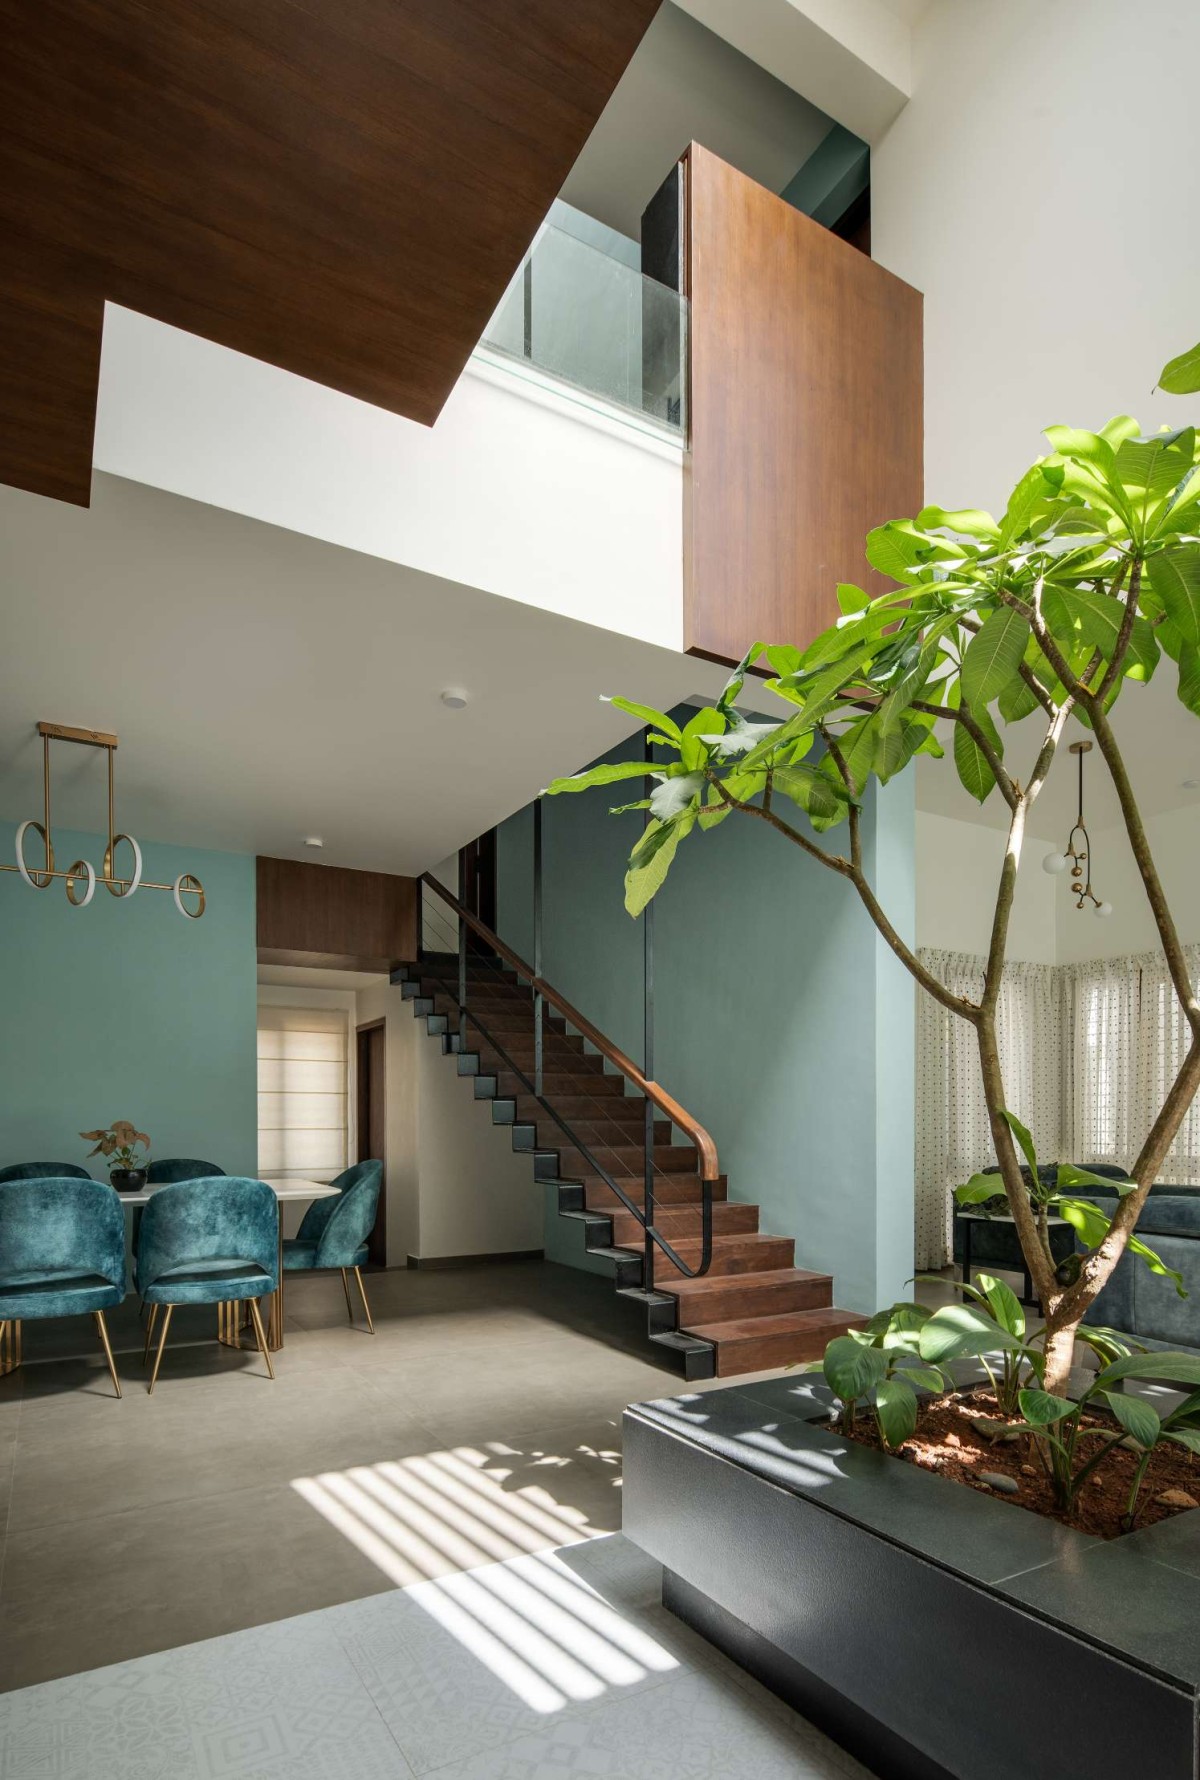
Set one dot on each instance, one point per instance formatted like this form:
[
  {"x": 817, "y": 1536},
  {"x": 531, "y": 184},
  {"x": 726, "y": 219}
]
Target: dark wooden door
[{"x": 371, "y": 1075}]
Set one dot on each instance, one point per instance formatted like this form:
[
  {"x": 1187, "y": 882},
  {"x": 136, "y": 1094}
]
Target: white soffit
[{"x": 268, "y": 686}]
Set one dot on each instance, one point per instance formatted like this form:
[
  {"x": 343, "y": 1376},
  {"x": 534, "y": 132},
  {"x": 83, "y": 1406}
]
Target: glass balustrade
[{"x": 590, "y": 320}]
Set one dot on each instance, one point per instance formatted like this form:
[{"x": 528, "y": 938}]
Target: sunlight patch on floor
[{"x": 480, "y": 1559}]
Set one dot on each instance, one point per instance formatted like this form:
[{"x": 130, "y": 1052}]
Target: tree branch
[{"x": 847, "y": 868}]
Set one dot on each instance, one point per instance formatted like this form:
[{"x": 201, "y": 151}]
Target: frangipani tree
[{"x": 1090, "y": 577}]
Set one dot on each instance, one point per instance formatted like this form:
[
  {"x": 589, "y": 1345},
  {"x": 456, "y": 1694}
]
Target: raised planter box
[{"x": 930, "y": 1629}]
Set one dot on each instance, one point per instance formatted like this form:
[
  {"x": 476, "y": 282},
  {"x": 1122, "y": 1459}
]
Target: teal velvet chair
[
  {"x": 176, "y": 1168},
  {"x": 208, "y": 1241},
  {"x": 43, "y": 1171},
  {"x": 334, "y": 1232},
  {"x": 62, "y": 1253}
]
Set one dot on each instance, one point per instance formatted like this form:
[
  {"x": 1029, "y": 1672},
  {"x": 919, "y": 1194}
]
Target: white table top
[{"x": 282, "y": 1189}]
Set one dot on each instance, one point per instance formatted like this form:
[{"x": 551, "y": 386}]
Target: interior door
[{"x": 371, "y": 1076}]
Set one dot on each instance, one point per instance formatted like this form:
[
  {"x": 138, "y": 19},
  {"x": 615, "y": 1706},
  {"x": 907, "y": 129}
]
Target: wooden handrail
[{"x": 706, "y": 1149}]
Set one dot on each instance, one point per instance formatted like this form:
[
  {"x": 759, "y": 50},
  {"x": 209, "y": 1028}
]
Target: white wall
[
  {"x": 1038, "y": 187},
  {"x": 958, "y": 870},
  {"x": 958, "y": 867},
  {"x": 454, "y": 1184},
  {"x": 521, "y": 488},
  {"x": 1175, "y": 845}
]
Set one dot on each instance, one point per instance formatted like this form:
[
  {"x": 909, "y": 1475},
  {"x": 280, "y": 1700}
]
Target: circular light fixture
[
  {"x": 1056, "y": 862},
  {"x": 454, "y": 699},
  {"x": 313, "y": 840},
  {"x": 1103, "y": 910},
  {"x": 1189, "y": 784}
]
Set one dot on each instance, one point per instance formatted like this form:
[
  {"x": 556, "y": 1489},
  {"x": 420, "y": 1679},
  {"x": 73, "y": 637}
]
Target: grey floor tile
[{"x": 694, "y": 1724}]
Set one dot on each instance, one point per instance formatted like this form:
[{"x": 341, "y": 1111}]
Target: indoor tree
[{"x": 1091, "y": 575}]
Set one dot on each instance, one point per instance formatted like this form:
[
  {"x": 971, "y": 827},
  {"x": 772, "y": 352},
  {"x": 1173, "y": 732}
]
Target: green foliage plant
[{"x": 1086, "y": 585}]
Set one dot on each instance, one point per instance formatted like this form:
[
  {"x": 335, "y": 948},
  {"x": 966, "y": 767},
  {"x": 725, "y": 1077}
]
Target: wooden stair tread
[
  {"x": 752, "y": 1328},
  {"x": 685, "y": 1289}
]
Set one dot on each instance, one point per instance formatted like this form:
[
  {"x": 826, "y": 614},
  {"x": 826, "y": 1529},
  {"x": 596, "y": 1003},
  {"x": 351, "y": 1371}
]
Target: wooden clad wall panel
[
  {"x": 324, "y": 914},
  {"x": 806, "y": 414},
  {"x": 340, "y": 187}
]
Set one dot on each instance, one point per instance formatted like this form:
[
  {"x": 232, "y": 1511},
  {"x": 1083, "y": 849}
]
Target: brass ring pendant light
[{"x": 80, "y": 879}]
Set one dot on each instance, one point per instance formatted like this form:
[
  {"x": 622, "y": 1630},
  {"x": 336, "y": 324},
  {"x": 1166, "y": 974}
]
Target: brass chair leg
[
  {"x": 162, "y": 1342},
  {"x": 362, "y": 1292},
  {"x": 346, "y": 1289},
  {"x": 149, "y": 1333},
  {"x": 261, "y": 1334},
  {"x": 108, "y": 1352}
]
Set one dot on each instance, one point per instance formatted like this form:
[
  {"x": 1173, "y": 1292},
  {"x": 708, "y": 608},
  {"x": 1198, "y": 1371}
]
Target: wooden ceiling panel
[{"x": 340, "y": 187}]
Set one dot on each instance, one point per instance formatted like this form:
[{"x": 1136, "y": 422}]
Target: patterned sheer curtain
[
  {"x": 1126, "y": 1038},
  {"x": 954, "y": 1138}
]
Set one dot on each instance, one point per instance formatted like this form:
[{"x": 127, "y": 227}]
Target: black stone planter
[
  {"x": 127, "y": 1180},
  {"x": 930, "y": 1629}
]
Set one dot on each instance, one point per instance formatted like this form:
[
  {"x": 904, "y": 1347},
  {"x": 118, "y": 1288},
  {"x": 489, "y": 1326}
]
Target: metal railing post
[
  {"x": 538, "y": 1003},
  {"x": 462, "y": 982},
  {"x": 648, "y": 1072}
]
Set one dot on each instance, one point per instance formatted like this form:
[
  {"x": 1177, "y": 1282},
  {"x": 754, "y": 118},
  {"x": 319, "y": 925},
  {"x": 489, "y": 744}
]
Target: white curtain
[
  {"x": 1088, "y": 1052},
  {"x": 1126, "y": 1038},
  {"x": 954, "y": 1138}
]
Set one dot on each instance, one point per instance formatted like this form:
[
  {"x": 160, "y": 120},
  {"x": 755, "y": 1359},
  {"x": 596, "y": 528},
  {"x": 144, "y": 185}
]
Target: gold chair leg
[
  {"x": 362, "y": 1292},
  {"x": 108, "y": 1352},
  {"x": 10, "y": 1345},
  {"x": 346, "y": 1289},
  {"x": 162, "y": 1342},
  {"x": 261, "y": 1334},
  {"x": 149, "y": 1333}
]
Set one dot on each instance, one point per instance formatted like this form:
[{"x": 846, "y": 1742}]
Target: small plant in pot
[{"x": 119, "y": 1144}]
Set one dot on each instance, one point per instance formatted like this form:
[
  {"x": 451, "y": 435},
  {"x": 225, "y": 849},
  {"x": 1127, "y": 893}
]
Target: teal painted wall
[
  {"x": 782, "y": 1021},
  {"x": 126, "y": 1010}
]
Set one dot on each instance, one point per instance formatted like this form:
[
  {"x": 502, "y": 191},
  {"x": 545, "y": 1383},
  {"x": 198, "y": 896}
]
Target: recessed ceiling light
[
  {"x": 313, "y": 840},
  {"x": 1189, "y": 784},
  {"x": 454, "y": 699}
]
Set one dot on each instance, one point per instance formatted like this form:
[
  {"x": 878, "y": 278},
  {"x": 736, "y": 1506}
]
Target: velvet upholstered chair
[
  {"x": 170, "y": 1169},
  {"x": 208, "y": 1241},
  {"x": 43, "y": 1171},
  {"x": 333, "y": 1232},
  {"x": 62, "y": 1252}
]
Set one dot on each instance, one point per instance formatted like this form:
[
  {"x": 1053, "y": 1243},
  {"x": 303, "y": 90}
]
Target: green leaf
[
  {"x": 813, "y": 790},
  {"x": 1184, "y": 1367},
  {"x": 1175, "y": 577},
  {"x": 852, "y": 599},
  {"x": 1041, "y": 1408},
  {"x": 651, "y": 859},
  {"x": 971, "y": 521},
  {"x": 1070, "y": 1176},
  {"x": 1003, "y": 1303},
  {"x": 607, "y": 774},
  {"x": 993, "y": 657},
  {"x": 1189, "y": 1437},
  {"x": 1181, "y": 376},
  {"x": 851, "y": 1369},
  {"x": 1024, "y": 1138},
  {"x": 647, "y": 713},
  {"x": 736, "y": 680},
  {"x": 924, "y": 1378},
  {"x": 979, "y": 1189},
  {"x": 1135, "y": 1416},
  {"x": 1189, "y": 677},
  {"x": 971, "y": 762},
  {"x": 1016, "y": 701},
  {"x": 896, "y": 1408},
  {"x": 1154, "y": 465},
  {"x": 672, "y": 795},
  {"x": 961, "y": 1330},
  {"x": 1083, "y": 447}
]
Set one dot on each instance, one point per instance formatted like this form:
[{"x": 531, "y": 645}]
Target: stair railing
[{"x": 544, "y": 994}]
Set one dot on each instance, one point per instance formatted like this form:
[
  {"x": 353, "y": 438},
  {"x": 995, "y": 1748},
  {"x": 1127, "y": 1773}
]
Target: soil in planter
[{"x": 947, "y": 1442}]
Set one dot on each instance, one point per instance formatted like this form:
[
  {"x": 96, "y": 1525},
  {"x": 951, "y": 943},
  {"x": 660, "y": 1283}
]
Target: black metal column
[{"x": 648, "y": 1072}]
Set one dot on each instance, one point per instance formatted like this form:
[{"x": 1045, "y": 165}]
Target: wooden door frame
[{"x": 362, "y": 1136}]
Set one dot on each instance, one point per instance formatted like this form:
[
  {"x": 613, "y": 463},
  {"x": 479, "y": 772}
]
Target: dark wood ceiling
[{"x": 340, "y": 187}]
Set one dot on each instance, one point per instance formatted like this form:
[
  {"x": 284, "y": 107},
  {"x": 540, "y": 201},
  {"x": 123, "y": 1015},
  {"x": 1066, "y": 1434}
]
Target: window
[{"x": 302, "y": 1097}]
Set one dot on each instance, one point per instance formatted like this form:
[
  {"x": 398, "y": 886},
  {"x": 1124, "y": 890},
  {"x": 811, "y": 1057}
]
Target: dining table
[{"x": 230, "y": 1316}]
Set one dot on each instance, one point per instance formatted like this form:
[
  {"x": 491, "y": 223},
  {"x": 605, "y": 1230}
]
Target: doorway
[{"x": 371, "y": 1080}]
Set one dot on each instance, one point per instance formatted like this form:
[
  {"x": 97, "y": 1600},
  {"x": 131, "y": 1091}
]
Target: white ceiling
[
  {"x": 267, "y": 686},
  {"x": 686, "y": 84}
]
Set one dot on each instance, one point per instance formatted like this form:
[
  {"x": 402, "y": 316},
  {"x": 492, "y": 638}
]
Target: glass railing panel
[{"x": 594, "y": 322}]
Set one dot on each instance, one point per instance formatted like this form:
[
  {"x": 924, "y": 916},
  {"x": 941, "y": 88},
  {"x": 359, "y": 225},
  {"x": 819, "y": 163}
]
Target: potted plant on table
[
  {"x": 1051, "y": 612},
  {"x": 119, "y": 1143}
]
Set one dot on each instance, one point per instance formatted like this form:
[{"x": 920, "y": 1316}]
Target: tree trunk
[{"x": 1060, "y": 1351}]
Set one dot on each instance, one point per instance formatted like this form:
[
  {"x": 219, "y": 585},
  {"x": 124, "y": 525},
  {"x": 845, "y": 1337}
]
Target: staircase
[{"x": 753, "y": 1309}]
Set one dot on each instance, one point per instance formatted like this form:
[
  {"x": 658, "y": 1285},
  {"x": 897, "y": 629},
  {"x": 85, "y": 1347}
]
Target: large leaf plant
[{"x": 1084, "y": 583}]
